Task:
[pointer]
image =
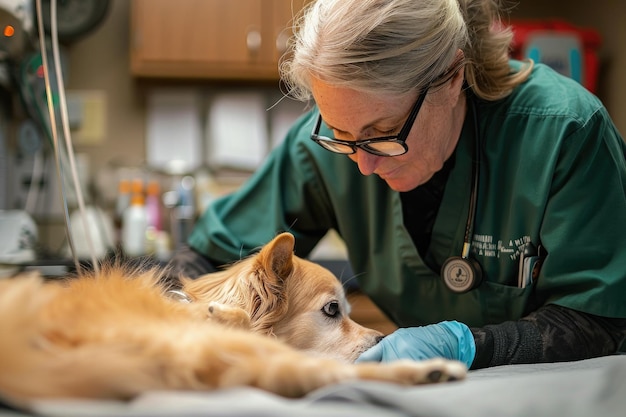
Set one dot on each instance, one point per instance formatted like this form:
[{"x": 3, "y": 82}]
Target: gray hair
[{"x": 399, "y": 46}]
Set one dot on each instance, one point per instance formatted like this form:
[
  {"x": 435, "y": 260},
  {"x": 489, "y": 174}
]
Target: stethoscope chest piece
[{"x": 461, "y": 274}]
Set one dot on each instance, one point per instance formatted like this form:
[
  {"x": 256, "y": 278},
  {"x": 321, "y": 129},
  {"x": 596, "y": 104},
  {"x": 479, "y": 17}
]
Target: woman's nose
[{"x": 366, "y": 161}]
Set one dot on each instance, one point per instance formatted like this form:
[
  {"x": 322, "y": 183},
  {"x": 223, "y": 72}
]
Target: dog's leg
[
  {"x": 292, "y": 376},
  {"x": 273, "y": 366},
  {"x": 229, "y": 315},
  {"x": 314, "y": 375}
]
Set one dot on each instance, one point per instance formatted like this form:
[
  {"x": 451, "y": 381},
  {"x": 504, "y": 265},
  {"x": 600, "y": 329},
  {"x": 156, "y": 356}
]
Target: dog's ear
[
  {"x": 277, "y": 255},
  {"x": 274, "y": 263}
]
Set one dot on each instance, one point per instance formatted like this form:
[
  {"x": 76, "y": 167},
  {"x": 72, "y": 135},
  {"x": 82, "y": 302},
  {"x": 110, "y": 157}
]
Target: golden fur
[{"x": 272, "y": 321}]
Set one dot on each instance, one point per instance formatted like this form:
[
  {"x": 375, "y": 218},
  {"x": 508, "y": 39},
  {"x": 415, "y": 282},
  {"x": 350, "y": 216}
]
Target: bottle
[
  {"x": 123, "y": 201},
  {"x": 184, "y": 212},
  {"x": 134, "y": 226},
  {"x": 137, "y": 186},
  {"x": 153, "y": 205}
]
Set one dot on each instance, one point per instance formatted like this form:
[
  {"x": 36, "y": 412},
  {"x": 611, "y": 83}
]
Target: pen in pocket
[{"x": 529, "y": 264}]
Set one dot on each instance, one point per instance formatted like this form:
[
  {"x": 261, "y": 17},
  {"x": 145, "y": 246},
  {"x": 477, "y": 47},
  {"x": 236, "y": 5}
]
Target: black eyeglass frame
[{"x": 364, "y": 144}]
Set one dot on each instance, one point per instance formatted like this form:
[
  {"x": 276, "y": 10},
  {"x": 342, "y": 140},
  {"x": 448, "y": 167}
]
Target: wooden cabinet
[{"x": 211, "y": 39}]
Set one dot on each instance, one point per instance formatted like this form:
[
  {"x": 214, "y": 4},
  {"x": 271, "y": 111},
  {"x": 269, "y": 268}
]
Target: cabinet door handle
[
  {"x": 281, "y": 41},
  {"x": 253, "y": 41}
]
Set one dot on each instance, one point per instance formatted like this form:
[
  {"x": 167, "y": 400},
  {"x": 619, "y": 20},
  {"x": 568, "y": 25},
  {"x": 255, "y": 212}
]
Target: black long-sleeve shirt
[{"x": 550, "y": 334}]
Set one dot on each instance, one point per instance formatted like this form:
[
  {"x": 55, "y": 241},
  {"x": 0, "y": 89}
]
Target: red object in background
[{"x": 589, "y": 38}]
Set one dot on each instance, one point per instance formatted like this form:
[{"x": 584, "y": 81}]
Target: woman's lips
[{"x": 388, "y": 174}]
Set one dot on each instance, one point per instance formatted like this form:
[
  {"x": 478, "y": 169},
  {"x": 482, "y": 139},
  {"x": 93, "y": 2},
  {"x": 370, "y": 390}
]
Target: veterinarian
[{"x": 482, "y": 200}]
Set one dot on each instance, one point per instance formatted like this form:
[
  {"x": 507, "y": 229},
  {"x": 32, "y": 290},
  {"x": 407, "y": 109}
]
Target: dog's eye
[{"x": 331, "y": 309}]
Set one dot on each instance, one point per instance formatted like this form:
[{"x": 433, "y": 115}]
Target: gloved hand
[{"x": 448, "y": 340}]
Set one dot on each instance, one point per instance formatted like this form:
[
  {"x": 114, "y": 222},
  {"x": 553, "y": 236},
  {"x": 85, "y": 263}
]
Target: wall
[{"x": 101, "y": 62}]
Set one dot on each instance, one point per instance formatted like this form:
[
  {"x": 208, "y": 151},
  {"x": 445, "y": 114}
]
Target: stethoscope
[{"x": 461, "y": 273}]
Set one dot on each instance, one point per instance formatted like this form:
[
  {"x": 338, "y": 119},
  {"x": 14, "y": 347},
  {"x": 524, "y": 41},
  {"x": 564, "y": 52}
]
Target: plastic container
[
  {"x": 134, "y": 226},
  {"x": 568, "y": 49},
  {"x": 123, "y": 200},
  {"x": 153, "y": 205}
]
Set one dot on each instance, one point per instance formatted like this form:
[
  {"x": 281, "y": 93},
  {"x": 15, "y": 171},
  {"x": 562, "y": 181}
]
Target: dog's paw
[
  {"x": 409, "y": 372},
  {"x": 442, "y": 370},
  {"x": 228, "y": 315},
  {"x": 430, "y": 371}
]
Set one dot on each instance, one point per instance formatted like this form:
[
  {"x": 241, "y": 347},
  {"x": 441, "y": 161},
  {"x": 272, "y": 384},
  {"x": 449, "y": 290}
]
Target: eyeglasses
[{"x": 381, "y": 146}]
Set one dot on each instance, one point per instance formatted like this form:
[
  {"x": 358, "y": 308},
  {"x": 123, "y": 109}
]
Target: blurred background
[{"x": 171, "y": 104}]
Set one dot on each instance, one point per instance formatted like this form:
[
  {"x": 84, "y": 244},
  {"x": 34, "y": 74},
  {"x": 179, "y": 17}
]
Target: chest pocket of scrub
[
  {"x": 516, "y": 298},
  {"x": 504, "y": 302}
]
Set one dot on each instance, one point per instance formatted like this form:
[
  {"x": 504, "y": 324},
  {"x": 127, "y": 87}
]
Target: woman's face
[{"x": 354, "y": 115}]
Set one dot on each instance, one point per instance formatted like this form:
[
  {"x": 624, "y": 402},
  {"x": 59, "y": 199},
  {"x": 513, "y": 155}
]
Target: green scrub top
[{"x": 552, "y": 172}]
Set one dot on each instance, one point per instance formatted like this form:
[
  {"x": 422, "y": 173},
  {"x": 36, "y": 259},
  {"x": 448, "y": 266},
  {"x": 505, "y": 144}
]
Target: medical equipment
[
  {"x": 16, "y": 28},
  {"x": 19, "y": 236},
  {"x": 462, "y": 273},
  {"x": 61, "y": 149}
]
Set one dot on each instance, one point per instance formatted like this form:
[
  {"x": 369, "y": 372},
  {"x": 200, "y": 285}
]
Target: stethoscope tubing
[
  {"x": 471, "y": 215},
  {"x": 461, "y": 273}
]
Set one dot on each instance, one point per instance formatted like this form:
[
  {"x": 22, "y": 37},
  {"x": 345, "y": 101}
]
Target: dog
[{"x": 272, "y": 321}]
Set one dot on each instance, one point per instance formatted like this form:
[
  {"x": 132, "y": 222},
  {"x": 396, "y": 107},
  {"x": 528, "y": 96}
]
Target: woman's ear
[
  {"x": 456, "y": 82},
  {"x": 453, "y": 87}
]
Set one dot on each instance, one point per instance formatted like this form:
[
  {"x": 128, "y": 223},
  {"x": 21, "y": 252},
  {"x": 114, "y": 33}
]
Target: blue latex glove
[{"x": 448, "y": 340}]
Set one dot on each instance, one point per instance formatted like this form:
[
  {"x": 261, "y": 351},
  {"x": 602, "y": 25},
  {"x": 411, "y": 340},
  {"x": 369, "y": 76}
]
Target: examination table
[{"x": 588, "y": 388}]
